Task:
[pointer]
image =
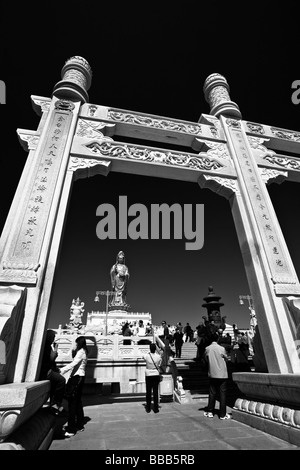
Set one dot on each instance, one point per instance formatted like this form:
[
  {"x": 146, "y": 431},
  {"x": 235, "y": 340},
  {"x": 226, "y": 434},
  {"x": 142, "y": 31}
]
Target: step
[{"x": 195, "y": 396}]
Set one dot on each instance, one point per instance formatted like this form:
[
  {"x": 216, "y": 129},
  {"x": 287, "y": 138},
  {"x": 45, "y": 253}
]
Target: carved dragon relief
[
  {"x": 138, "y": 153},
  {"x": 272, "y": 157},
  {"x": 285, "y": 134},
  {"x": 255, "y": 128},
  {"x": 286, "y": 162},
  {"x": 157, "y": 123}
]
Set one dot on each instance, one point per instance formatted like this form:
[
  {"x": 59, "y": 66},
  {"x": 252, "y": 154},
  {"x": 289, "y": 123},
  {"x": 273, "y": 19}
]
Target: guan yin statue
[{"x": 119, "y": 275}]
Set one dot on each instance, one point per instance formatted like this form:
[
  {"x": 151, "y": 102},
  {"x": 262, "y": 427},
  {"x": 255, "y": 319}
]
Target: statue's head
[{"x": 121, "y": 257}]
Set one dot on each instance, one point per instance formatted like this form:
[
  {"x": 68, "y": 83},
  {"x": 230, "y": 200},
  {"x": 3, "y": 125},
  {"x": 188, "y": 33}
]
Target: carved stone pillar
[{"x": 27, "y": 238}]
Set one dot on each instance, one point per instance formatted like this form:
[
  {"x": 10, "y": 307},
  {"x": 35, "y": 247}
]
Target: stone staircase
[
  {"x": 195, "y": 379},
  {"x": 189, "y": 351}
]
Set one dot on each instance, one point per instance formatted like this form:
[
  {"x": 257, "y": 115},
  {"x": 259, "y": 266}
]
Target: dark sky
[{"x": 153, "y": 57}]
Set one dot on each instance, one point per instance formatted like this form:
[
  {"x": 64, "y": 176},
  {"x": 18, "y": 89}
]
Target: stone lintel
[
  {"x": 284, "y": 163},
  {"x": 152, "y": 161},
  {"x": 277, "y": 138},
  {"x": 151, "y": 127}
]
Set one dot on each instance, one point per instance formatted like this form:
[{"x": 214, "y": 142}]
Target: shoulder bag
[{"x": 160, "y": 376}]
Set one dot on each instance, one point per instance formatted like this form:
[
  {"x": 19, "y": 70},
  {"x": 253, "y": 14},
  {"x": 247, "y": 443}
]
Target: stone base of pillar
[
  {"x": 35, "y": 434},
  {"x": 275, "y": 428},
  {"x": 279, "y": 389},
  {"x": 19, "y": 402},
  {"x": 270, "y": 403}
]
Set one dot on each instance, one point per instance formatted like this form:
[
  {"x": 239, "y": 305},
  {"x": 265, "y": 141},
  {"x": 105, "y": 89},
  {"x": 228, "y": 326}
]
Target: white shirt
[
  {"x": 152, "y": 366},
  {"x": 141, "y": 331},
  {"x": 78, "y": 365}
]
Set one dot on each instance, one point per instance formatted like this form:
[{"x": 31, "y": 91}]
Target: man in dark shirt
[
  {"x": 178, "y": 339},
  {"x": 166, "y": 335},
  {"x": 187, "y": 331}
]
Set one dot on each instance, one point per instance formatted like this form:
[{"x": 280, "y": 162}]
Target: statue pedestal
[
  {"x": 96, "y": 321},
  {"x": 271, "y": 404}
]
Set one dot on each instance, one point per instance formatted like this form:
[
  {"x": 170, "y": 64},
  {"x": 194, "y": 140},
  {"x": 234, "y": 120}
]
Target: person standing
[
  {"x": 152, "y": 377},
  {"x": 216, "y": 358},
  {"x": 74, "y": 387},
  {"x": 178, "y": 340},
  {"x": 165, "y": 337},
  {"x": 242, "y": 353},
  {"x": 141, "y": 331},
  {"x": 126, "y": 331},
  {"x": 187, "y": 332},
  {"x": 201, "y": 341}
]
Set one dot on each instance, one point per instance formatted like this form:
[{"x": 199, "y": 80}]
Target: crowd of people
[{"x": 214, "y": 349}]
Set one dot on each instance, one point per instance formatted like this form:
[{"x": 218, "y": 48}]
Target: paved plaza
[{"x": 121, "y": 423}]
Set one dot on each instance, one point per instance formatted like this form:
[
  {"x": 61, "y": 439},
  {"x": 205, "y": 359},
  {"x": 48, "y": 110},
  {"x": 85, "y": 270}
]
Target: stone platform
[{"x": 121, "y": 423}]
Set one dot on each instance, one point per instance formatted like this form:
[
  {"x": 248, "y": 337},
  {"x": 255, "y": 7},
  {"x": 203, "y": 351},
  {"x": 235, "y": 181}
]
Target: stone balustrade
[
  {"x": 103, "y": 347},
  {"x": 109, "y": 360}
]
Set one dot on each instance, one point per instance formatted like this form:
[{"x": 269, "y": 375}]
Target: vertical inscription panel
[
  {"x": 22, "y": 262},
  {"x": 279, "y": 261}
]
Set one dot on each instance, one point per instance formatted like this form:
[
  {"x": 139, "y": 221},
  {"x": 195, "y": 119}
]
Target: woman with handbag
[
  {"x": 74, "y": 387},
  {"x": 152, "y": 376}
]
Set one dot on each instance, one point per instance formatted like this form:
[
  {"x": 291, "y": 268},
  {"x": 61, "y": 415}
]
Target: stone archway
[
  {"x": 74, "y": 139},
  {"x": 234, "y": 158}
]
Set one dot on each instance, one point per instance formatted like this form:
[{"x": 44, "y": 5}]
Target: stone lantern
[{"x": 213, "y": 305}]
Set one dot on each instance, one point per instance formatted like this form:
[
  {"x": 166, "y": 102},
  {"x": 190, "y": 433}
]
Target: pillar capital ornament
[
  {"x": 76, "y": 77},
  {"x": 216, "y": 92}
]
